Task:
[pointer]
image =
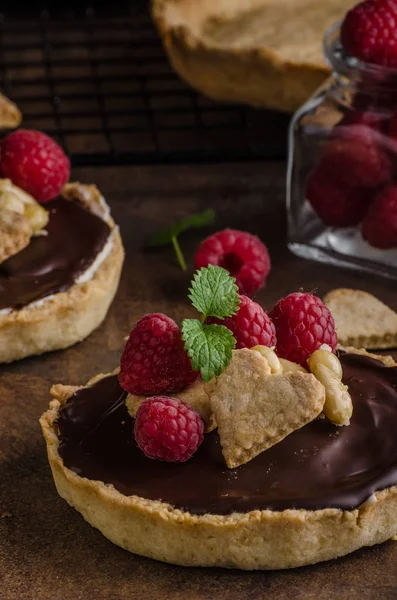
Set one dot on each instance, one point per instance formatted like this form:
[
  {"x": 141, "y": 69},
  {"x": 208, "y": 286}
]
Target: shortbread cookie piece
[
  {"x": 15, "y": 233},
  {"x": 13, "y": 198},
  {"x": 197, "y": 395},
  {"x": 21, "y": 217},
  {"x": 362, "y": 321},
  {"x": 255, "y": 410}
]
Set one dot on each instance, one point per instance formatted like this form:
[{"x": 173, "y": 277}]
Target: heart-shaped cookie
[{"x": 255, "y": 410}]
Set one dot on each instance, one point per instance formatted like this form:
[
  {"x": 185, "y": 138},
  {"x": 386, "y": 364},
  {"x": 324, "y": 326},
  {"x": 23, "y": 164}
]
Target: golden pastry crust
[
  {"x": 10, "y": 115},
  {"x": 255, "y": 540},
  {"x": 362, "y": 320},
  {"x": 256, "y": 52},
  {"x": 67, "y": 317}
]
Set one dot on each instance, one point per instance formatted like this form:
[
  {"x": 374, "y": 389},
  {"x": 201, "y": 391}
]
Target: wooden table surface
[{"x": 47, "y": 551}]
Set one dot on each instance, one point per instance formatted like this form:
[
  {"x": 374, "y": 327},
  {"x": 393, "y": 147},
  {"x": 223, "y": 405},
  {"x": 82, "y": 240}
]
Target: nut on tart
[
  {"x": 257, "y": 52},
  {"x": 200, "y": 513},
  {"x": 57, "y": 288}
]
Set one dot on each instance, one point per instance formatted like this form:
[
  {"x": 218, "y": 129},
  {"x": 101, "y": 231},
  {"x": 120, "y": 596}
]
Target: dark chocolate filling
[
  {"x": 318, "y": 466},
  {"x": 52, "y": 263}
]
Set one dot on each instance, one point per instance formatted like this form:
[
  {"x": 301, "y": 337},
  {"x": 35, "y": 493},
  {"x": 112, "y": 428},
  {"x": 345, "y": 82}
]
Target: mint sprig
[
  {"x": 209, "y": 347},
  {"x": 170, "y": 236},
  {"x": 214, "y": 293}
]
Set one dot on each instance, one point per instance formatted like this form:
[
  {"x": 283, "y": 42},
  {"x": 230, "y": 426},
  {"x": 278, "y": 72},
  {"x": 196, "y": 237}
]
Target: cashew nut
[
  {"x": 291, "y": 367},
  {"x": 338, "y": 406},
  {"x": 326, "y": 358},
  {"x": 271, "y": 357}
]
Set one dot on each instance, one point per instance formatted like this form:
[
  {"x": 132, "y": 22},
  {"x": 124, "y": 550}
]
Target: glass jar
[{"x": 341, "y": 199}]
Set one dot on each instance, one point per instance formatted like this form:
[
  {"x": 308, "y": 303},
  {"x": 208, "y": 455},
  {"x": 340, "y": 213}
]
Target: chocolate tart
[
  {"x": 259, "y": 52},
  {"x": 58, "y": 289},
  {"x": 319, "y": 494}
]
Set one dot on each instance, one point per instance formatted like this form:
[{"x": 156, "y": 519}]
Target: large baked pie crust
[
  {"x": 67, "y": 317},
  {"x": 265, "y": 53},
  {"x": 255, "y": 540}
]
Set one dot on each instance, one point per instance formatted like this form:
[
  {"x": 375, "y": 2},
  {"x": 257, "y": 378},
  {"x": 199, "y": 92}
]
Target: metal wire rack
[{"x": 103, "y": 87}]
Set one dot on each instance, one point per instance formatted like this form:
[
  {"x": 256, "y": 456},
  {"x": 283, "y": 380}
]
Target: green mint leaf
[
  {"x": 209, "y": 347},
  {"x": 196, "y": 221},
  {"x": 214, "y": 292}
]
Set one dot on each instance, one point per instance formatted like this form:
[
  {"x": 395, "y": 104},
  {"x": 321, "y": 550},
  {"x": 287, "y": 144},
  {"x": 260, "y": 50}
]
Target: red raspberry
[
  {"x": 379, "y": 227},
  {"x": 362, "y": 117},
  {"x": 241, "y": 253},
  {"x": 303, "y": 323},
  {"x": 337, "y": 204},
  {"x": 154, "y": 360},
  {"x": 35, "y": 163},
  {"x": 391, "y": 138},
  {"x": 251, "y": 326},
  {"x": 168, "y": 429},
  {"x": 369, "y": 32},
  {"x": 355, "y": 158},
  {"x": 393, "y": 128}
]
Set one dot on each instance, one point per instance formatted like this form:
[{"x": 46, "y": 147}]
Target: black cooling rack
[{"x": 103, "y": 87}]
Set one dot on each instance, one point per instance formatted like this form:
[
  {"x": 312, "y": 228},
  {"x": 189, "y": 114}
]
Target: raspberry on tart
[
  {"x": 154, "y": 360},
  {"x": 251, "y": 326},
  {"x": 168, "y": 429},
  {"x": 35, "y": 163},
  {"x": 303, "y": 324}
]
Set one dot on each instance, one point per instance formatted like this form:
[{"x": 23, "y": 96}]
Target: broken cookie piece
[
  {"x": 255, "y": 410},
  {"x": 15, "y": 199},
  {"x": 21, "y": 217},
  {"x": 197, "y": 395},
  {"x": 15, "y": 233},
  {"x": 362, "y": 321}
]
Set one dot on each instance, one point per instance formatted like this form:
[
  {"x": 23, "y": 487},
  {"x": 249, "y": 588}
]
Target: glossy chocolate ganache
[
  {"x": 52, "y": 263},
  {"x": 315, "y": 467}
]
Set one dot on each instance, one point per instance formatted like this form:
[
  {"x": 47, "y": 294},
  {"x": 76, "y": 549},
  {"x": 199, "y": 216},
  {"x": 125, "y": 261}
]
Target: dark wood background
[{"x": 47, "y": 551}]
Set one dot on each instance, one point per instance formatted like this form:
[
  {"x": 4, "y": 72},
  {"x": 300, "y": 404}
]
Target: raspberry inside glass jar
[{"x": 342, "y": 171}]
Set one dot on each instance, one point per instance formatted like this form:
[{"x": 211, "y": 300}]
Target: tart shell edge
[
  {"x": 260, "y": 539},
  {"x": 68, "y": 317}
]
